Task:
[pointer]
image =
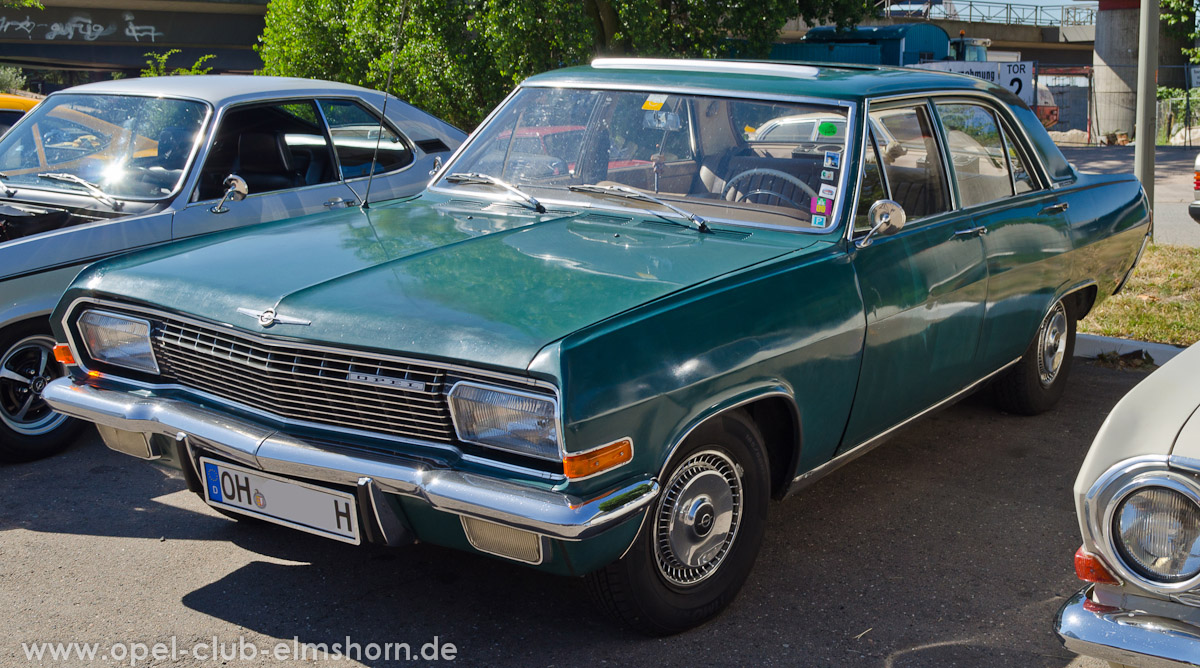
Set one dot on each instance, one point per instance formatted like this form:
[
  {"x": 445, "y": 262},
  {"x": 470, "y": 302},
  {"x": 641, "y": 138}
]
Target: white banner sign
[{"x": 1017, "y": 77}]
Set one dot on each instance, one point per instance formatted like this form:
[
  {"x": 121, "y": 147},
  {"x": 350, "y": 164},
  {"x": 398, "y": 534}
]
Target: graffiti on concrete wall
[{"x": 78, "y": 26}]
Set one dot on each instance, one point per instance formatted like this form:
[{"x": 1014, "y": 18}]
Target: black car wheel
[
  {"x": 699, "y": 542},
  {"x": 29, "y": 428},
  {"x": 1036, "y": 383}
]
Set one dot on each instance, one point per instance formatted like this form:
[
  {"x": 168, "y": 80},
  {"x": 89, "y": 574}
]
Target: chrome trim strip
[
  {"x": 809, "y": 477},
  {"x": 1125, "y": 637},
  {"x": 519, "y": 506}
]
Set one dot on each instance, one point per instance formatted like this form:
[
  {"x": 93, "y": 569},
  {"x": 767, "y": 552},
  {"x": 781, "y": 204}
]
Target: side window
[
  {"x": 911, "y": 161},
  {"x": 871, "y": 189},
  {"x": 356, "y": 132},
  {"x": 1022, "y": 179},
  {"x": 273, "y": 147},
  {"x": 977, "y": 149}
]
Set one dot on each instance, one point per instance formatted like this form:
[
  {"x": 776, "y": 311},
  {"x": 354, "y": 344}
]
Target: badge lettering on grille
[{"x": 401, "y": 383}]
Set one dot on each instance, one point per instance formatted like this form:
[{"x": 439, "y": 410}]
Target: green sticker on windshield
[{"x": 828, "y": 129}]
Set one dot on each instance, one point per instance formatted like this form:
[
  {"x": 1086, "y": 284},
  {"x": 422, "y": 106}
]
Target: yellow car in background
[{"x": 13, "y": 107}]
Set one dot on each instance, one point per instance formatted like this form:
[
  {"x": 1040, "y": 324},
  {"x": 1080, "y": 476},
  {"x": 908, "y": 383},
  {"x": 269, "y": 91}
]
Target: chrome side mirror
[
  {"x": 886, "y": 217},
  {"x": 235, "y": 191},
  {"x": 437, "y": 165}
]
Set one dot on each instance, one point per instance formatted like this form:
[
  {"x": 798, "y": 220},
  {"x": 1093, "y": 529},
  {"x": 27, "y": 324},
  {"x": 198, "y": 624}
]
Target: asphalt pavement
[
  {"x": 1173, "y": 184},
  {"x": 951, "y": 545}
]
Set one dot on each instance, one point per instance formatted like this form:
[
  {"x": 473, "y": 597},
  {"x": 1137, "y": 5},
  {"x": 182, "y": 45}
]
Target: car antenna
[{"x": 383, "y": 115}]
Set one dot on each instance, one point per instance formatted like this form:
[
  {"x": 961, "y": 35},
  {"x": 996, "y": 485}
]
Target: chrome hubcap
[
  {"x": 698, "y": 518},
  {"x": 1052, "y": 344},
  {"x": 25, "y": 370}
]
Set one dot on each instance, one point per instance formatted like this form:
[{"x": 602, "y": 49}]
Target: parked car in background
[
  {"x": 606, "y": 362},
  {"x": 1138, "y": 500},
  {"x": 104, "y": 168},
  {"x": 12, "y": 108}
]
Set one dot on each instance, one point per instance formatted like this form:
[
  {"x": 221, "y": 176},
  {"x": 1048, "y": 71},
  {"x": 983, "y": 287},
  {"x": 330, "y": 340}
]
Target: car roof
[
  {"x": 852, "y": 83},
  {"x": 220, "y": 89}
]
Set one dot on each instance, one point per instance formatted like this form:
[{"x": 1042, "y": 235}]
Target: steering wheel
[{"x": 774, "y": 173}]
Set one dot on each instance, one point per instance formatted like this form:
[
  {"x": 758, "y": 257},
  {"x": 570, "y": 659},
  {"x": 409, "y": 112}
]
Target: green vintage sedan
[{"x": 604, "y": 355}]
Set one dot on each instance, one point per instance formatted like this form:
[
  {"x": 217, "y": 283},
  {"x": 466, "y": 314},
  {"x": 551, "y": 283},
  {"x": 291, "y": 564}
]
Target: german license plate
[{"x": 320, "y": 511}]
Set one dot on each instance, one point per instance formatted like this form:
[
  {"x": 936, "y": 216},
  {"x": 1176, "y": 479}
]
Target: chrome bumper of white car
[
  {"x": 1126, "y": 637},
  {"x": 127, "y": 420}
]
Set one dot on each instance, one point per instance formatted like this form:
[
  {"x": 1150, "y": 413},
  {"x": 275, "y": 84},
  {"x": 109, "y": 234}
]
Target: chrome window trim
[
  {"x": 503, "y": 390},
  {"x": 448, "y": 448},
  {"x": 122, "y": 316},
  {"x": 1113, "y": 487},
  {"x": 408, "y": 142},
  {"x": 996, "y": 104},
  {"x": 730, "y": 94}
]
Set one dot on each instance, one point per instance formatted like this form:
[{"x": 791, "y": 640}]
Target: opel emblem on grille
[{"x": 269, "y": 317}]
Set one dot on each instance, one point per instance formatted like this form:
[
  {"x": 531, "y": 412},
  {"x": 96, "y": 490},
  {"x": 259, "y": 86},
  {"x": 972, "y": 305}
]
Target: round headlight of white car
[{"x": 1156, "y": 530}]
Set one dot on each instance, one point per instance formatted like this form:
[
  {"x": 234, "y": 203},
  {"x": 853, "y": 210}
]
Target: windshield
[
  {"x": 130, "y": 147},
  {"x": 738, "y": 160}
]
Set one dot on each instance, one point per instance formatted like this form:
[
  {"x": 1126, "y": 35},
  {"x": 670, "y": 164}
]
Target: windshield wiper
[
  {"x": 474, "y": 177},
  {"x": 634, "y": 193},
  {"x": 93, "y": 189}
]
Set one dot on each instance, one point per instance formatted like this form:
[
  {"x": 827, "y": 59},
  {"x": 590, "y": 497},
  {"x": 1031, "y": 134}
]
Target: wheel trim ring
[
  {"x": 47, "y": 422},
  {"x": 1052, "y": 344},
  {"x": 671, "y": 566}
]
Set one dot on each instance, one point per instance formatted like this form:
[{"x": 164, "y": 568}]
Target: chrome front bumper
[
  {"x": 545, "y": 512},
  {"x": 1126, "y": 636}
]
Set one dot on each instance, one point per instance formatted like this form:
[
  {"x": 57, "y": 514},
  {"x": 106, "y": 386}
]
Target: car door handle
[
  {"x": 973, "y": 231},
  {"x": 1053, "y": 208},
  {"x": 339, "y": 203}
]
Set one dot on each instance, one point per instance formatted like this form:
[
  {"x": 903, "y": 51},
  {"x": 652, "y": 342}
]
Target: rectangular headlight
[
  {"x": 118, "y": 340},
  {"x": 523, "y": 423}
]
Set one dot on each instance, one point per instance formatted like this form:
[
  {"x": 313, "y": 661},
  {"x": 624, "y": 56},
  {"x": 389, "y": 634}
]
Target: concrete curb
[{"x": 1090, "y": 345}]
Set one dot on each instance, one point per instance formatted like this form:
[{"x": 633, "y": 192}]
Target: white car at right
[{"x": 1138, "y": 501}]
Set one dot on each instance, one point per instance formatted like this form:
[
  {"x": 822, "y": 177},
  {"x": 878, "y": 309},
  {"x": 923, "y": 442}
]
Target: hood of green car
[{"x": 453, "y": 279}]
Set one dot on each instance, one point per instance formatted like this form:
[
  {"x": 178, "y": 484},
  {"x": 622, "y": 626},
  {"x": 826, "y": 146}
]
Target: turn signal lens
[
  {"x": 62, "y": 354},
  {"x": 1089, "y": 568},
  {"x": 599, "y": 460}
]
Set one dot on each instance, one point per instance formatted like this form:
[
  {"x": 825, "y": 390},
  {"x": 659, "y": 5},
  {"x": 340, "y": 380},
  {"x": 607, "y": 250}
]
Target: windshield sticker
[
  {"x": 828, "y": 191},
  {"x": 827, "y": 129},
  {"x": 827, "y": 175},
  {"x": 819, "y": 221},
  {"x": 821, "y": 205},
  {"x": 833, "y": 159},
  {"x": 654, "y": 102},
  {"x": 749, "y": 130}
]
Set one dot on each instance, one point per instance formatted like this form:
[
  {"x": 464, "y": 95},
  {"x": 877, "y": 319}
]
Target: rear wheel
[
  {"x": 1036, "y": 383},
  {"x": 699, "y": 542},
  {"x": 29, "y": 428}
]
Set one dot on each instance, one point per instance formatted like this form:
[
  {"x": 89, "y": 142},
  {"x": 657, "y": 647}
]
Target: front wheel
[
  {"x": 1036, "y": 383},
  {"x": 699, "y": 542},
  {"x": 29, "y": 428}
]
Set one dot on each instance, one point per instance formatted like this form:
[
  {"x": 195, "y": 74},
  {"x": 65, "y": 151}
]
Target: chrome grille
[{"x": 303, "y": 384}]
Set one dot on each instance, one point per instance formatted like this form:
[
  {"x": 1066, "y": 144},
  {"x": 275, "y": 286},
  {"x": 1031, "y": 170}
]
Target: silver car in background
[{"x": 105, "y": 168}]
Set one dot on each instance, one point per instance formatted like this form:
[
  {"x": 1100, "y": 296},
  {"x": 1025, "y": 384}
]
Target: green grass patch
[{"x": 1161, "y": 303}]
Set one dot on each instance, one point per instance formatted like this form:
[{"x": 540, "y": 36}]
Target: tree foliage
[
  {"x": 1180, "y": 18},
  {"x": 458, "y": 58},
  {"x": 156, "y": 65}
]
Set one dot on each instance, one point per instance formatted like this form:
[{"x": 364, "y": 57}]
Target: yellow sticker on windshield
[
  {"x": 749, "y": 130},
  {"x": 654, "y": 102}
]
